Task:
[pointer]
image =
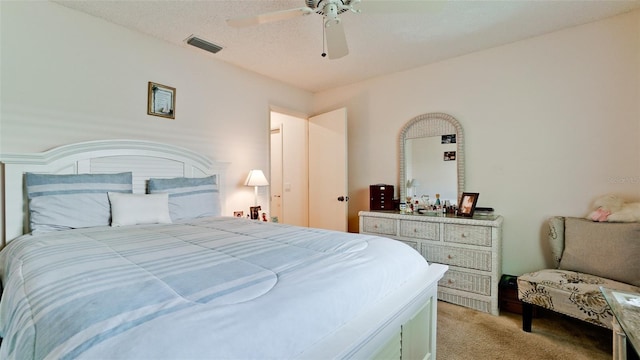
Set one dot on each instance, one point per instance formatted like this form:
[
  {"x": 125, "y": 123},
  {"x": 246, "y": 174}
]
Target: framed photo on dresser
[{"x": 468, "y": 204}]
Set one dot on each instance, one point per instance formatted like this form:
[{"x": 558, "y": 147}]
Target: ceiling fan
[{"x": 331, "y": 10}]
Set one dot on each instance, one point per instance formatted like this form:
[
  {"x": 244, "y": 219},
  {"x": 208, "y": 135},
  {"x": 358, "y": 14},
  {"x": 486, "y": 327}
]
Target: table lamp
[{"x": 256, "y": 178}]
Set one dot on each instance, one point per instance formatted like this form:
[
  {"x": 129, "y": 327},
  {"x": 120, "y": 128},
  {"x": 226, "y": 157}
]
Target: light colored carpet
[{"x": 468, "y": 334}]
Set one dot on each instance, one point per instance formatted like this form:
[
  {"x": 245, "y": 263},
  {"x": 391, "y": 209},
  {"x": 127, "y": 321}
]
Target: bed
[{"x": 168, "y": 276}]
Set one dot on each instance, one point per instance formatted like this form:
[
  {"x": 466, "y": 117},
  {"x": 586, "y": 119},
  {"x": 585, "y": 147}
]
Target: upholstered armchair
[{"x": 587, "y": 255}]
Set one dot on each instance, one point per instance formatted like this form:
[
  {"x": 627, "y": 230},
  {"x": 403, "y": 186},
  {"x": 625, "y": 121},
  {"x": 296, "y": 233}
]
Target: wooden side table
[{"x": 508, "y": 296}]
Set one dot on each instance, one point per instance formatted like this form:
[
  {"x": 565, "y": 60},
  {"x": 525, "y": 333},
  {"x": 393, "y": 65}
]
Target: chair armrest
[{"x": 556, "y": 238}]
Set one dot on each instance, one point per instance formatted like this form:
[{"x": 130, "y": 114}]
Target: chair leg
[
  {"x": 527, "y": 316},
  {"x": 632, "y": 354}
]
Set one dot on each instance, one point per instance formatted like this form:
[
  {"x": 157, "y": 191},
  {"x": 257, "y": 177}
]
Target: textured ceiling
[{"x": 379, "y": 43}]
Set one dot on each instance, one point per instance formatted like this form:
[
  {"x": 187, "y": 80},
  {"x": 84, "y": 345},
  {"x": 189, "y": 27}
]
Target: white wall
[
  {"x": 68, "y": 77},
  {"x": 550, "y": 123}
]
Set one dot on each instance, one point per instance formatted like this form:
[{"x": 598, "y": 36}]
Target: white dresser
[{"x": 472, "y": 248}]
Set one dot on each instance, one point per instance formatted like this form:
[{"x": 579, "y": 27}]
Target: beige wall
[
  {"x": 68, "y": 77},
  {"x": 550, "y": 123}
]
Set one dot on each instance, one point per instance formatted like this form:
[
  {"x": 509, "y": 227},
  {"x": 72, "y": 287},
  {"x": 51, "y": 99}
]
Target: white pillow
[{"x": 136, "y": 209}]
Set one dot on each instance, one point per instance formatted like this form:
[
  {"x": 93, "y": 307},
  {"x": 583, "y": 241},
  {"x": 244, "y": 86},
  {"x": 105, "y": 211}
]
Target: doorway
[
  {"x": 289, "y": 169},
  {"x": 309, "y": 169}
]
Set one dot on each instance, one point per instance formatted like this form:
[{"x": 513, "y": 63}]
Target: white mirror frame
[{"x": 427, "y": 125}]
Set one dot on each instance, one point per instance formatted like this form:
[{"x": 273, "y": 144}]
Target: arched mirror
[{"x": 432, "y": 158}]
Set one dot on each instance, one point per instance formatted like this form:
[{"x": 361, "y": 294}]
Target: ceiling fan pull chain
[{"x": 324, "y": 53}]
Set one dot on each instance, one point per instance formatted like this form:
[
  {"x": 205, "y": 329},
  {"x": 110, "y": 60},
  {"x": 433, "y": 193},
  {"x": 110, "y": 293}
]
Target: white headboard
[{"x": 145, "y": 159}]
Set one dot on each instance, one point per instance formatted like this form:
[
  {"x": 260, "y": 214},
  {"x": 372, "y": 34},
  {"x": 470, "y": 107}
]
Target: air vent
[{"x": 202, "y": 44}]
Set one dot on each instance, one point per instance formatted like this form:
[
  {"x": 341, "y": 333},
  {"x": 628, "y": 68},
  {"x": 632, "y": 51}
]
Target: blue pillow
[
  {"x": 62, "y": 202},
  {"x": 189, "y": 198}
]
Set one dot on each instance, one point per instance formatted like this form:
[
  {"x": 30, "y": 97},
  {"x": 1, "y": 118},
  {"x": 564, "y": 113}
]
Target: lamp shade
[{"x": 256, "y": 178}]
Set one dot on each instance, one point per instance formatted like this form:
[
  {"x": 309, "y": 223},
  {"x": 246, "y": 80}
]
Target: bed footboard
[
  {"x": 414, "y": 340},
  {"x": 403, "y": 325}
]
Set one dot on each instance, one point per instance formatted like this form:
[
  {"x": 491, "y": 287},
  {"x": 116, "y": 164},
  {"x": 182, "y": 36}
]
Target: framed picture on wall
[
  {"x": 468, "y": 204},
  {"x": 161, "y": 100}
]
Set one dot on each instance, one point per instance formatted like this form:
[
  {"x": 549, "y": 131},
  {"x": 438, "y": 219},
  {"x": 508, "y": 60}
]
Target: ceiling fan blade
[
  {"x": 336, "y": 40},
  {"x": 398, "y": 6},
  {"x": 269, "y": 17}
]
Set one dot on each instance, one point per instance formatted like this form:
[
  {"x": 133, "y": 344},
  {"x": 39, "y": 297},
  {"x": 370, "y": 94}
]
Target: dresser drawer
[
  {"x": 420, "y": 229},
  {"x": 460, "y": 280},
  {"x": 466, "y": 258},
  {"x": 413, "y": 244},
  {"x": 379, "y": 225},
  {"x": 467, "y": 234}
]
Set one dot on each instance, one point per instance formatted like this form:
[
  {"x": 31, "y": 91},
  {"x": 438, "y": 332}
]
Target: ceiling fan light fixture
[{"x": 203, "y": 44}]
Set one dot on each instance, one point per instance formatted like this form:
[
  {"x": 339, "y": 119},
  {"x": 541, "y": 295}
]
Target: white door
[{"x": 328, "y": 194}]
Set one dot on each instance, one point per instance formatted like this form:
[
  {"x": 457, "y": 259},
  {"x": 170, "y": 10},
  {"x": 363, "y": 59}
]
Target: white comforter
[{"x": 212, "y": 288}]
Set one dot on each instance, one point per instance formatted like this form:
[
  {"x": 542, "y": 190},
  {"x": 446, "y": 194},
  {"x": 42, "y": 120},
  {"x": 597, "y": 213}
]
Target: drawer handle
[
  {"x": 375, "y": 226},
  {"x": 449, "y": 256},
  {"x": 464, "y": 235},
  {"x": 415, "y": 230},
  {"x": 449, "y": 281}
]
